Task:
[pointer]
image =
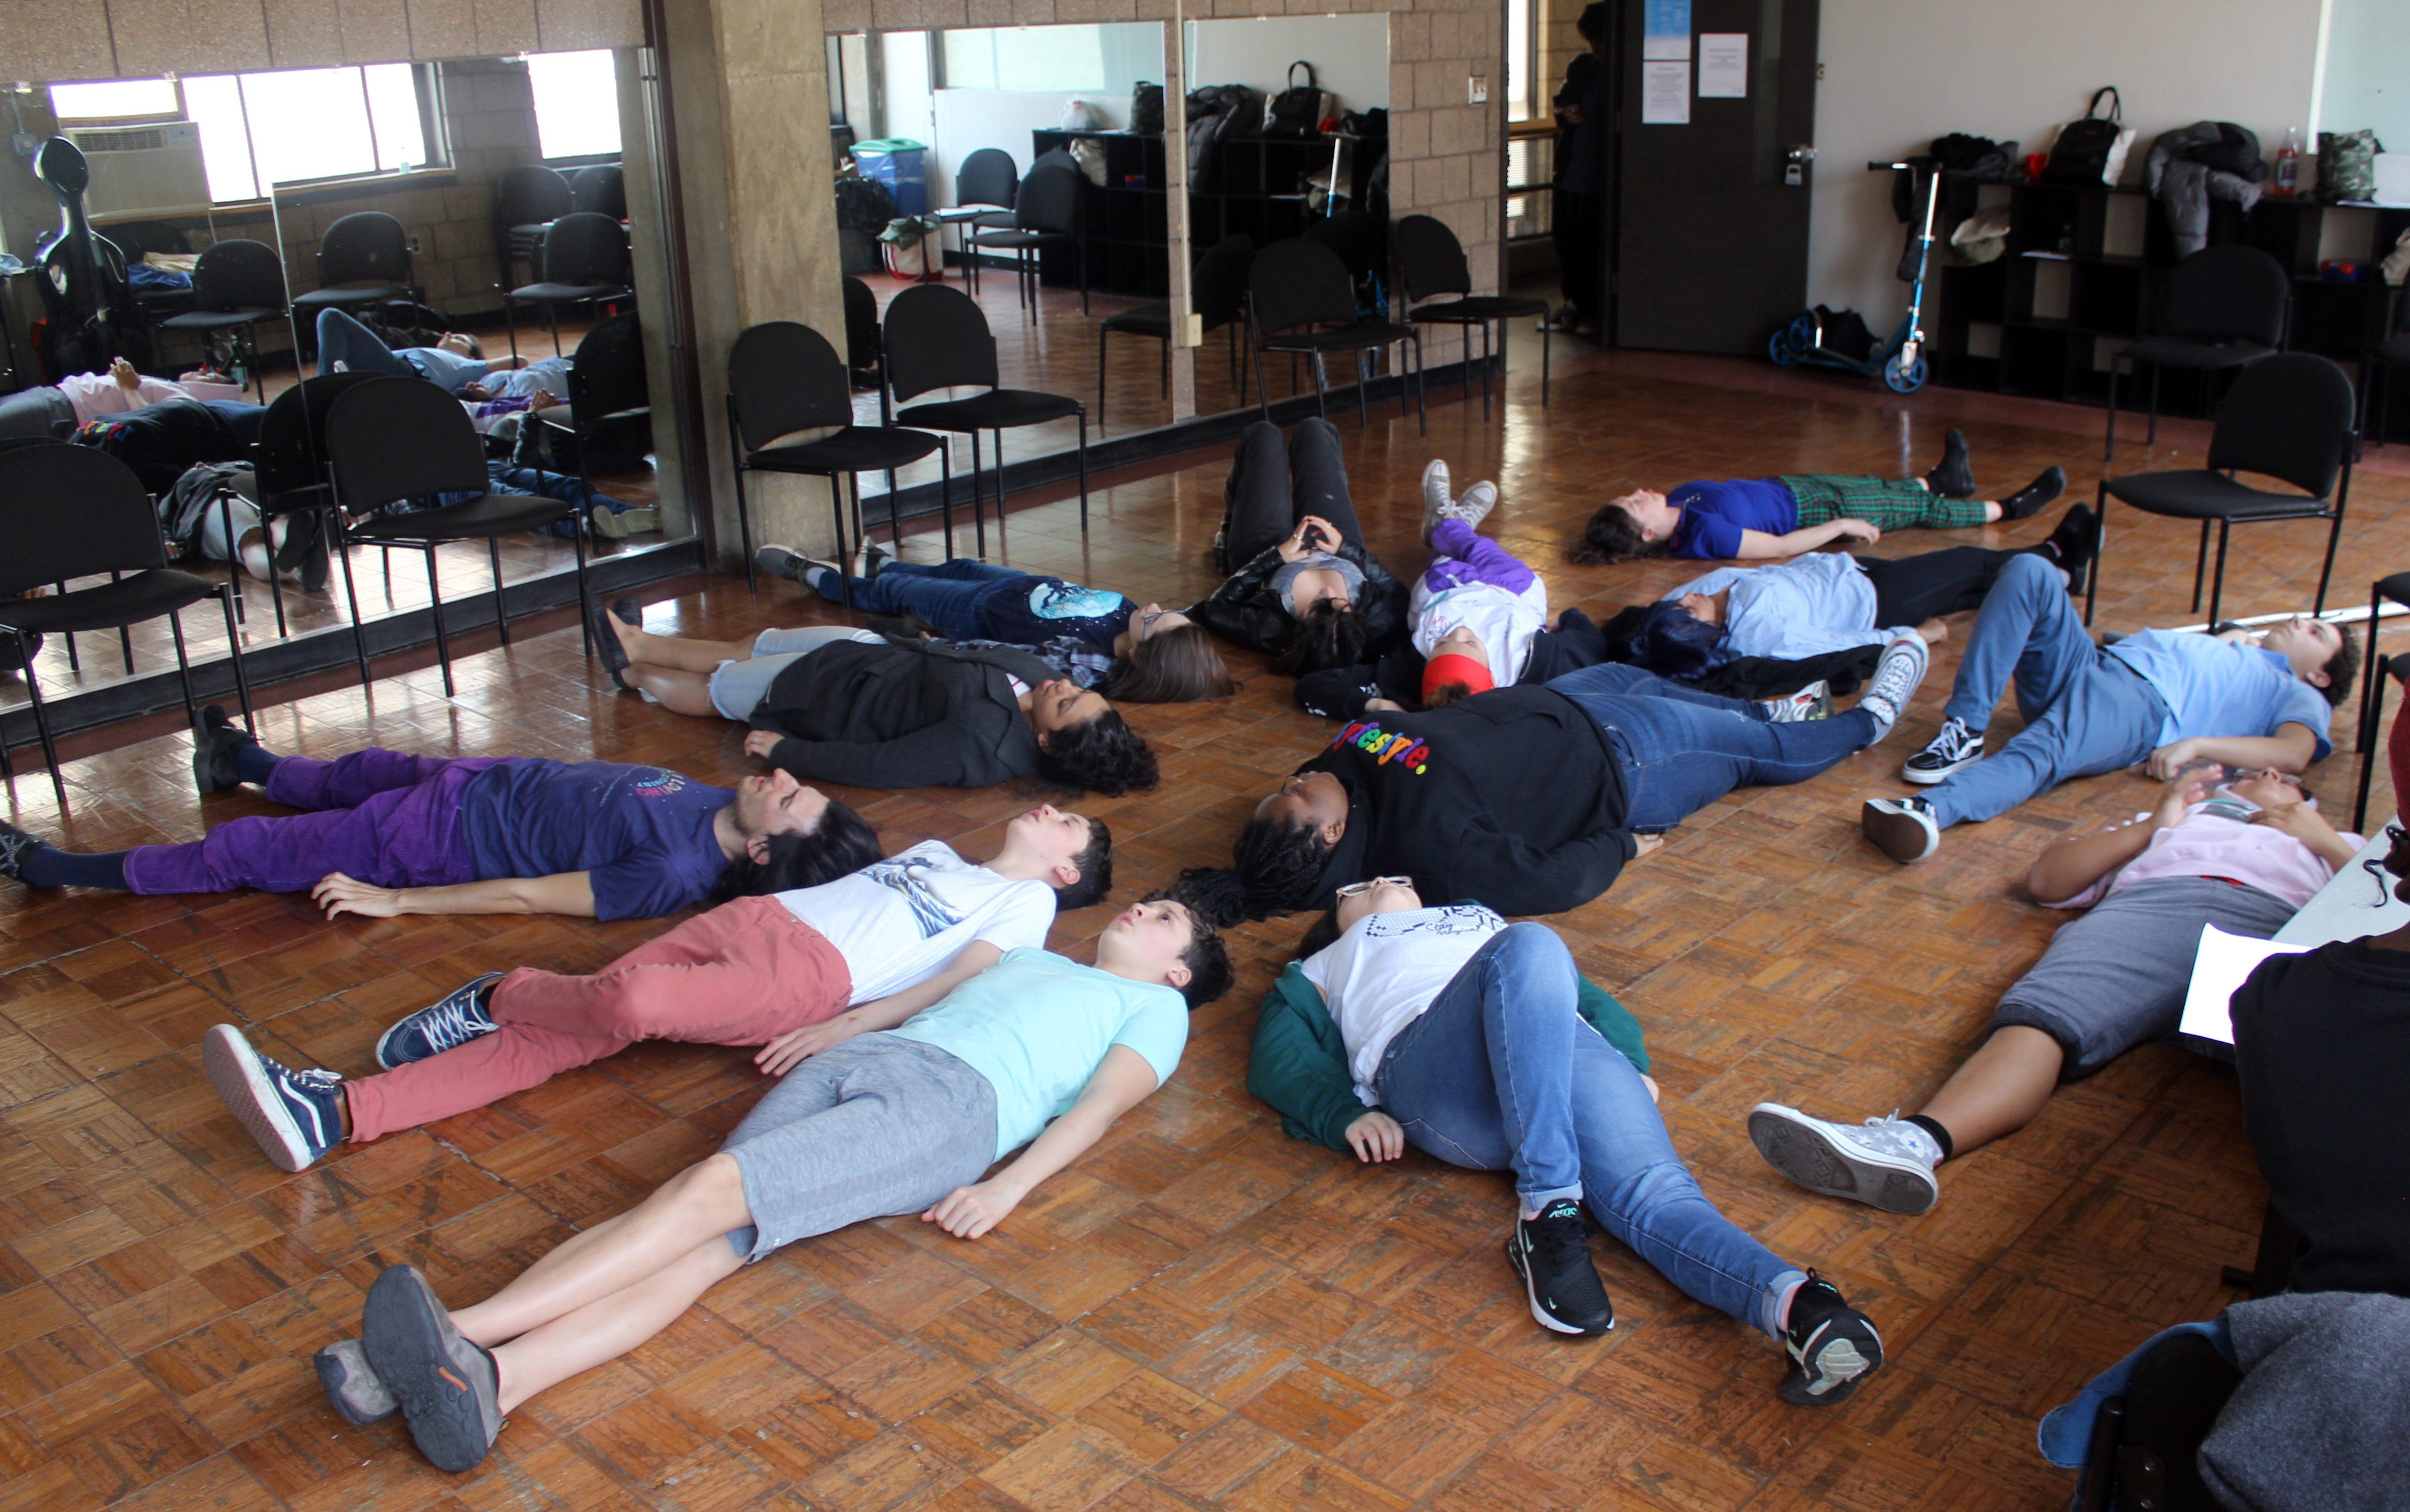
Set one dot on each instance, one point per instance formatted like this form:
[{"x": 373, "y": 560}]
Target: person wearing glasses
[
  {"x": 2242, "y": 851},
  {"x": 1478, "y": 1042}
]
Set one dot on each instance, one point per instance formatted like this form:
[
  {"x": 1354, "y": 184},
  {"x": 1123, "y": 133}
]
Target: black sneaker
[
  {"x": 2030, "y": 500},
  {"x": 1551, "y": 1252},
  {"x": 15, "y": 846},
  {"x": 448, "y": 1388},
  {"x": 1833, "y": 1346},
  {"x": 2074, "y": 544},
  {"x": 216, "y": 739},
  {"x": 1955, "y": 478},
  {"x": 461, "y": 1016},
  {"x": 1955, "y": 749}
]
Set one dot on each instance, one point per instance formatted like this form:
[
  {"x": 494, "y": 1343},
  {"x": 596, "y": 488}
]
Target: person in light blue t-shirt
[
  {"x": 2249, "y": 698},
  {"x": 1037, "y": 1050}
]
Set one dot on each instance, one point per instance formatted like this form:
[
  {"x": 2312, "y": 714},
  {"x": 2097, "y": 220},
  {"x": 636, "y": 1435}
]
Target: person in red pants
[{"x": 795, "y": 973}]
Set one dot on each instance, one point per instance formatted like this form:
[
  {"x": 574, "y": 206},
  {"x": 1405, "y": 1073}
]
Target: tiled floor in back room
[{"x": 1203, "y": 1312}]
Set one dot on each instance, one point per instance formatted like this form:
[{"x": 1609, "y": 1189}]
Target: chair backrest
[
  {"x": 290, "y": 458},
  {"x": 1220, "y": 286},
  {"x": 1430, "y": 260},
  {"x": 70, "y": 511},
  {"x": 987, "y": 177},
  {"x": 1355, "y": 235},
  {"x": 602, "y": 189},
  {"x": 2227, "y": 293},
  {"x": 784, "y": 377},
  {"x": 401, "y": 437},
  {"x": 368, "y": 245},
  {"x": 1050, "y": 199},
  {"x": 530, "y": 195},
  {"x": 2289, "y": 417},
  {"x": 937, "y": 337},
  {"x": 609, "y": 374},
  {"x": 588, "y": 247},
  {"x": 1297, "y": 282},
  {"x": 861, "y": 324},
  {"x": 238, "y": 274}
]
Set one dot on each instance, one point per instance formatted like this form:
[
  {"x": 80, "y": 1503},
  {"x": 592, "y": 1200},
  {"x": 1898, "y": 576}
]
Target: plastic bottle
[{"x": 2287, "y": 181}]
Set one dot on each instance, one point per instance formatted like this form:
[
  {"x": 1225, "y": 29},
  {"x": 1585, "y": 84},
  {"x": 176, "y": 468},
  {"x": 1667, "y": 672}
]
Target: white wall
[
  {"x": 1350, "y": 54},
  {"x": 1898, "y": 73},
  {"x": 2368, "y": 71},
  {"x": 970, "y": 118}
]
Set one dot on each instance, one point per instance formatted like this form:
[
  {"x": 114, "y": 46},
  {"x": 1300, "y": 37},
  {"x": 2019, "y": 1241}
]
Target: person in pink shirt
[
  {"x": 121, "y": 390},
  {"x": 2243, "y": 853}
]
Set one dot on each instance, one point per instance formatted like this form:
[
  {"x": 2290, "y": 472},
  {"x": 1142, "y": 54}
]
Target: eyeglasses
[{"x": 1355, "y": 889}]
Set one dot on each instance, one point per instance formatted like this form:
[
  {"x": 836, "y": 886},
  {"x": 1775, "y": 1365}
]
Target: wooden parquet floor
[{"x": 1203, "y": 1312}]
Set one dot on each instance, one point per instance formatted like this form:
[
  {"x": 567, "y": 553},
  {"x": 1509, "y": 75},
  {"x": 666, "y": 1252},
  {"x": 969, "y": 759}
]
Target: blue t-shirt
[
  {"x": 446, "y": 371},
  {"x": 1034, "y": 610},
  {"x": 2222, "y": 688},
  {"x": 643, "y": 833},
  {"x": 1715, "y": 513},
  {"x": 1037, "y": 1025}
]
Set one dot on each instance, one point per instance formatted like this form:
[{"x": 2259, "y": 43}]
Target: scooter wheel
[
  {"x": 1905, "y": 380},
  {"x": 1778, "y": 346}
]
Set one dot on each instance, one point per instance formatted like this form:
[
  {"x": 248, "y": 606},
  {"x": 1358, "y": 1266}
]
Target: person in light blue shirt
[
  {"x": 1036, "y": 1050},
  {"x": 2250, "y": 699},
  {"x": 456, "y": 363}
]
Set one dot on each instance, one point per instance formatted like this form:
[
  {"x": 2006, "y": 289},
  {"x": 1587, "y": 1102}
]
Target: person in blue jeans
[
  {"x": 1478, "y": 1042},
  {"x": 2251, "y": 699},
  {"x": 457, "y": 363}
]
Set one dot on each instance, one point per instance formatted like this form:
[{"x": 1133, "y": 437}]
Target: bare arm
[
  {"x": 1757, "y": 546},
  {"x": 787, "y": 1052},
  {"x": 1121, "y": 1083},
  {"x": 569, "y": 892},
  {"x": 2292, "y": 749},
  {"x": 2069, "y": 866}
]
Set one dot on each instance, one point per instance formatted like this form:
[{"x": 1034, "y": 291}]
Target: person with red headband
[{"x": 1476, "y": 610}]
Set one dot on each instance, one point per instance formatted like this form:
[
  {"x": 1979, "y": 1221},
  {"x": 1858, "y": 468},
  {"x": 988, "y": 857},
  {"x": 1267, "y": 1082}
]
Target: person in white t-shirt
[{"x": 794, "y": 973}]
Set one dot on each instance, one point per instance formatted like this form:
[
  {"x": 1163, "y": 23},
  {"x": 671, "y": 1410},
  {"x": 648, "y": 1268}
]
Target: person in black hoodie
[
  {"x": 1530, "y": 798},
  {"x": 848, "y": 705},
  {"x": 1309, "y": 594}
]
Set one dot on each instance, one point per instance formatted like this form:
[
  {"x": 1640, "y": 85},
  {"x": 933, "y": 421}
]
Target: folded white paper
[{"x": 2218, "y": 968}]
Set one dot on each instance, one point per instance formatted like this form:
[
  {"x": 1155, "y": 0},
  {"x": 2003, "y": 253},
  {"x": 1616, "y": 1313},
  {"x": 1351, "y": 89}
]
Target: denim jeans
[
  {"x": 343, "y": 340},
  {"x": 1683, "y": 749},
  {"x": 1502, "y": 1072},
  {"x": 949, "y": 598}
]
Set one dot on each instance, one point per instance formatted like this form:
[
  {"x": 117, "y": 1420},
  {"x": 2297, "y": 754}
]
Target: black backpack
[
  {"x": 2080, "y": 155},
  {"x": 1299, "y": 109},
  {"x": 1146, "y": 109},
  {"x": 864, "y": 205}
]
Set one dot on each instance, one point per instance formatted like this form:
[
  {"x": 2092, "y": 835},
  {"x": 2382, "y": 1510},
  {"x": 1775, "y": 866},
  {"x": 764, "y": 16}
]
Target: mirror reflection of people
[{"x": 457, "y": 363}]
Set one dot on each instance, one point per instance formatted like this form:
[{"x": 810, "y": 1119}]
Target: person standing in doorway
[{"x": 1579, "y": 209}]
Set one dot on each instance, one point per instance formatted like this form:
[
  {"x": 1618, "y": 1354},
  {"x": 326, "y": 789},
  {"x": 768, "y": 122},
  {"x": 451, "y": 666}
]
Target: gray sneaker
[
  {"x": 1473, "y": 505},
  {"x": 781, "y": 561},
  {"x": 1813, "y": 702},
  {"x": 1437, "y": 500},
  {"x": 1882, "y": 1162},
  {"x": 620, "y": 524},
  {"x": 448, "y": 1388},
  {"x": 352, "y": 1382},
  {"x": 1896, "y": 680}
]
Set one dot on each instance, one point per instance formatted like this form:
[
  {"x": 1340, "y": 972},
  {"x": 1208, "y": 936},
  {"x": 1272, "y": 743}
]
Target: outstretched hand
[
  {"x": 1858, "y": 529},
  {"x": 969, "y": 1212},
  {"x": 340, "y": 895}
]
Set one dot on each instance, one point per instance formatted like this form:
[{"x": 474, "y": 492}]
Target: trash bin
[{"x": 895, "y": 161}]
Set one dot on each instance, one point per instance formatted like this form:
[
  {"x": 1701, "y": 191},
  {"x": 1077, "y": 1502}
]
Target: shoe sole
[
  {"x": 408, "y": 1339},
  {"x": 1927, "y": 775},
  {"x": 1811, "y": 1158},
  {"x": 235, "y": 1070},
  {"x": 1897, "y": 835},
  {"x": 620, "y": 524},
  {"x": 612, "y": 655},
  {"x": 1794, "y": 1385},
  {"x": 346, "y": 1395},
  {"x": 1539, "y": 1315}
]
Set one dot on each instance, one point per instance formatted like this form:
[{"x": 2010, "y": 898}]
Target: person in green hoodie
[{"x": 1479, "y": 1043}]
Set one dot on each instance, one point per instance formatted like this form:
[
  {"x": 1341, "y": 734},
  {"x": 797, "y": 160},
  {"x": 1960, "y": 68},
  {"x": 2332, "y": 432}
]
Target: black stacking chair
[
  {"x": 71, "y": 512},
  {"x": 2223, "y": 308},
  {"x": 937, "y": 338},
  {"x": 1219, "y": 286},
  {"x": 528, "y": 199},
  {"x": 2371, "y": 693},
  {"x": 2145, "y": 1446},
  {"x": 392, "y": 439},
  {"x": 1431, "y": 263},
  {"x": 602, "y": 190},
  {"x": 235, "y": 285},
  {"x": 867, "y": 364},
  {"x": 2287, "y": 416},
  {"x": 607, "y": 389},
  {"x": 364, "y": 258},
  {"x": 289, "y": 465},
  {"x": 585, "y": 259},
  {"x": 985, "y": 187},
  {"x": 783, "y": 378},
  {"x": 1046, "y": 214},
  {"x": 2391, "y": 353},
  {"x": 1301, "y": 301}
]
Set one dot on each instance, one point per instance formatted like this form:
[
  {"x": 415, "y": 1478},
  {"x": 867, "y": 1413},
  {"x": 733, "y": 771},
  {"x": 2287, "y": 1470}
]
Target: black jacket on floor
[
  {"x": 1512, "y": 798},
  {"x": 1244, "y": 609},
  {"x": 904, "y": 714}
]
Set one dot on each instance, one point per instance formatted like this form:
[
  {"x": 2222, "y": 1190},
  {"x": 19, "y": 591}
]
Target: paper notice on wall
[
  {"x": 1665, "y": 30},
  {"x": 2218, "y": 969},
  {"x": 1665, "y": 94},
  {"x": 1724, "y": 65}
]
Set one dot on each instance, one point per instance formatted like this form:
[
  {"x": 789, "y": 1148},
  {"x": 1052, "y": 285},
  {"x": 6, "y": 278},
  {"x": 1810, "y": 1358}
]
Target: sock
[
  {"x": 1941, "y": 1136},
  {"x": 49, "y": 867},
  {"x": 253, "y": 764},
  {"x": 1782, "y": 1305},
  {"x": 827, "y": 584}
]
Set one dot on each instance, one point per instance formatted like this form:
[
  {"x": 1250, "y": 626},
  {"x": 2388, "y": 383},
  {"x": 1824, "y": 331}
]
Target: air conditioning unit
[{"x": 144, "y": 170}]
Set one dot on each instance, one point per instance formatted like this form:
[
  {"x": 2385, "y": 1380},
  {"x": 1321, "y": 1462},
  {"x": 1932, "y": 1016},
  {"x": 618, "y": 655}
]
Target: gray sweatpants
[
  {"x": 876, "y": 1127},
  {"x": 2117, "y": 975}
]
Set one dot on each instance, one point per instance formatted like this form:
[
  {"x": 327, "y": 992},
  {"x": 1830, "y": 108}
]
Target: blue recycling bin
[{"x": 895, "y": 161}]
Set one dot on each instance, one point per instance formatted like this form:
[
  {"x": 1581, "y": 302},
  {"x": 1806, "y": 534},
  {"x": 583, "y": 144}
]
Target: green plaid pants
[{"x": 1886, "y": 503}]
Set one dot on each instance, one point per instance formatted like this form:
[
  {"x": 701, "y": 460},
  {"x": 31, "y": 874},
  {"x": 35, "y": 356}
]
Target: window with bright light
[
  {"x": 121, "y": 100},
  {"x": 1518, "y": 60},
  {"x": 260, "y": 130},
  {"x": 577, "y": 103}
]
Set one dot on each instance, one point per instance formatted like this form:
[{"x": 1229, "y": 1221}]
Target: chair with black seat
[
  {"x": 602, "y": 189},
  {"x": 2371, "y": 693},
  {"x": 784, "y": 378},
  {"x": 985, "y": 187},
  {"x": 527, "y": 198},
  {"x": 938, "y": 337},
  {"x": 608, "y": 394},
  {"x": 585, "y": 259},
  {"x": 70, "y": 512},
  {"x": 1219, "y": 287},
  {"x": 2381, "y": 359},
  {"x": 363, "y": 259},
  {"x": 2289, "y": 417},
  {"x": 289, "y": 470},
  {"x": 2223, "y": 308},
  {"x": 1431, "y": 263},
  {"x": 1301, "y": 301},
  {"x": 237, "y": 284},
  {"x": 1046, "y": 214},
  {"x": 395, "y": 439},
  {"x": 867, "y": 363}
]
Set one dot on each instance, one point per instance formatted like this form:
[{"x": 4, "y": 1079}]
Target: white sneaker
[
  {"x": 1905, "y": 828},
  {"x": 1437, "y": 500},
  {"x": 1473, "y": 505},
  {"x": 1813, "y": 702},
  {"x": 1885, "y": 1162},
  {"x": 1896, "y": 680}
]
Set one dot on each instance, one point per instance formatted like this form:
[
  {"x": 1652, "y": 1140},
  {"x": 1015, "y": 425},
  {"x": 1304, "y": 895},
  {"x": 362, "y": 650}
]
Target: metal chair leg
[
  {"x": 1101, "y": 334},
  {"x": 2200, "y": 566},
  {"x": 42, "y": 726},
  {"x": 2372, "y": 715},
  {"x": 1321, "y": 386},
  {"x": 1363, "y": 379},
  {"x": 2100, "y": 550},
  {"x": 242, "y": 680},
  {"x": 1422, "y": 400},
  {"x": 501, "y": 615},
  {"x": 946, "y": 493},
  {"x": 435, "y": 604},
  {"x": 1084, "y": 470},
  {"x": 352, "y": 592},
  {"x": 979, "y": 517},
  {"x": 1548, "y": 343},
  {"x": 2218, "y": 584},
  {"x": 578, "y": 526},
  {"x": 836, "y": 523},
  {"x": 2334, "y": 534},
  {"x": 2109, "y": 446},
  {"x": 183, "y": 666},
  {"x": 2151, "y": 437},
  {"x": 124, "y": 635},
  {"x": 2368, "y": 689}
]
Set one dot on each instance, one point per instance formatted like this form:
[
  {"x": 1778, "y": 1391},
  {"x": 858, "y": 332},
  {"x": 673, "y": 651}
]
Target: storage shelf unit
[{"x": 1124, "y": 221}]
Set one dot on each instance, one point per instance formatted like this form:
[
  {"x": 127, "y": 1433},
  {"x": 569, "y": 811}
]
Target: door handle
[{"x": 1795, "y": 165}]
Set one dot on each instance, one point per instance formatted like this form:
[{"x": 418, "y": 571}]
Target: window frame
[{"x": 63, "y": 122}]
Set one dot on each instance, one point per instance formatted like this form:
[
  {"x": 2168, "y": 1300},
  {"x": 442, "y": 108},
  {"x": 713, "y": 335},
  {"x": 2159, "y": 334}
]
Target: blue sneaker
[
  {"x": 431, "y": 1031},
  {"x": 296, "y": 1116}
]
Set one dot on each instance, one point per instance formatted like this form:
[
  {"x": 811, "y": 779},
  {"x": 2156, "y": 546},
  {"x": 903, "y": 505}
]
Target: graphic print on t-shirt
[
  {"x": 1446, "y": 918},
  {"x": 1069, "y": 601},
  {"x": 909, "y": 876},
  {"x": 656, "y": 782},
  {"x": 1383, "y": 747}
]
